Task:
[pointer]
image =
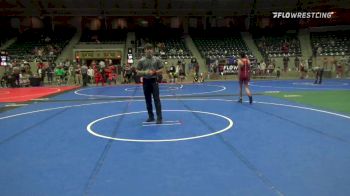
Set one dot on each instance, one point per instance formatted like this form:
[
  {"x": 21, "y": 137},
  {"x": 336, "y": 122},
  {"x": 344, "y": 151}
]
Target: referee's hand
[{"x": 152, "y": 72}]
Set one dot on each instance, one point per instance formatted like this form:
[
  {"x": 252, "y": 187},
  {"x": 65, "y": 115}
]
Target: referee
[{"x": 149, "y": 68}]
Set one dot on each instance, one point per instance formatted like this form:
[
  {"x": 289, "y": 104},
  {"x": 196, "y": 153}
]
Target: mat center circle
[{"x": 179, "y": 121}]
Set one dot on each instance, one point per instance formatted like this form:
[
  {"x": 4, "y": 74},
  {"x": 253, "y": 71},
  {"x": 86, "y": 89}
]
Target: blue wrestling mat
[{"x": 95, "y": 141}]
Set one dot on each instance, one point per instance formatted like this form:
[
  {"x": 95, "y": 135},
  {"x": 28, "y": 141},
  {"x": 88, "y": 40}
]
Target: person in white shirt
[{"x": 90, "y": 74}]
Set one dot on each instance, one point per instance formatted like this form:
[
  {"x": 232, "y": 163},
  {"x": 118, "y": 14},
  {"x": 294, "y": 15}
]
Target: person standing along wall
[{"x": 84, "y": 74}]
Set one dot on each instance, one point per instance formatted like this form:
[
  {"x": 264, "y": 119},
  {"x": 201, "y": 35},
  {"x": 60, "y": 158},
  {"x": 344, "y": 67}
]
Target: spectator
[
  {"x": 84, "y": 74},
  {"x": 262, "y": 67},
  {"x": 78, "y": 74},
  {"x": 127, "y": 73},
  {"x": 309, "y": 62},
  {"x": 60, "y": 75},
  {"x": 49, "y": 73},
  {"x": 285, "y": 63},
  {"x": 296, "y": 63},
  {"x": 90, "y": 74}
]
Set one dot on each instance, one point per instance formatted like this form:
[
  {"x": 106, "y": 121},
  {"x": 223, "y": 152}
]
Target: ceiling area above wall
[{"x": 158, "y": 7}]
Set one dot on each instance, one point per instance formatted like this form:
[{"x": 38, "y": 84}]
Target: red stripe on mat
[{"x": 27, "y": 94}]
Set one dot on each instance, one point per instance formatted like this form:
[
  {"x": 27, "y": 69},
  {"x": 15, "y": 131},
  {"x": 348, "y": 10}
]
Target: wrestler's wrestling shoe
[
  {"x": 250, "y": 99},
  {"x": 159, "y": 121},
  {"x": 150, "y": 120}
]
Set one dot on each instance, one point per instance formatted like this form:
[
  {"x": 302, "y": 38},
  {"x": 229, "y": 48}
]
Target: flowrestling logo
[{"x": 302, "y": 15}]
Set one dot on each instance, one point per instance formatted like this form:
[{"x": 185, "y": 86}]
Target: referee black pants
[{"x": 151, "y": 87}]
